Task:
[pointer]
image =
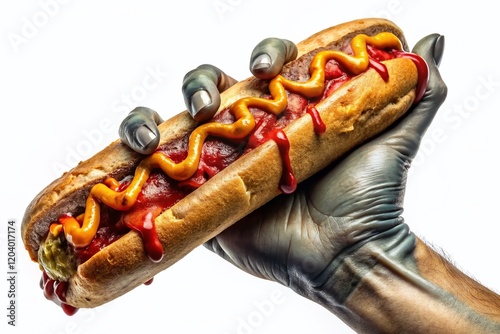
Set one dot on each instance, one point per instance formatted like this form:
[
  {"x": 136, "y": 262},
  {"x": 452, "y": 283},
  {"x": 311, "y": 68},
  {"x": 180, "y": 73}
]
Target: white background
[{"x": 71, "y": 70}]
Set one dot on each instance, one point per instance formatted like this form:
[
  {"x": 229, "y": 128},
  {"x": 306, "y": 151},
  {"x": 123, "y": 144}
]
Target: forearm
[
  {"x": 436, "y": 269},
  {"x": 417, "y": 292}
]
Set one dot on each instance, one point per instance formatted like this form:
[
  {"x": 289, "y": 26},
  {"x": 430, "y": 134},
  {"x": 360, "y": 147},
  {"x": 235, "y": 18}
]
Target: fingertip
[
  {"x": 201, "y": 90},
  {"x": 260, "y": 66},
  {"x": 439, "y": 49},
  {"x": 146, "y": 139},
  {"x": 265, "y": 66},
  {"x": 431, "y": 48},
  {"x": 139, "y": 130},
  {"x": 202, "y": 105},
  {"x": 269, "y": 56}
]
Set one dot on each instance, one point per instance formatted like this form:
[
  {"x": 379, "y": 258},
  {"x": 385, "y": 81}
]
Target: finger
[
  {"x": 407, "y": 135},
  {"x": 269, "y": 56},
  {"x": 201, "y": 89},
  {"x": 139, "y": 130}
]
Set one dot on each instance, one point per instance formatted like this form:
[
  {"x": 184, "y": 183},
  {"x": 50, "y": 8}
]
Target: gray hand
[
  {"x": 269, "y": 56},
  {"x": 201, "y": 89},
  {"x": 139, "y": 130},
  {"x": 297, "y": 239}
]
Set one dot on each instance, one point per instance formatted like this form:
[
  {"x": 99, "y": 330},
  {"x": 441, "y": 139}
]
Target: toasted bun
[{"x": 360, "y": 109}]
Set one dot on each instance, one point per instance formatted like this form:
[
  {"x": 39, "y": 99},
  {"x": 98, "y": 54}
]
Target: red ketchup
[
  {"x": 288, "y": 182},
  {"x": 56, "y": 292},
  {"x": 377, "y": 55},
  {"x": 423, "y": 73},
  {"x": 318, "y": 124}
]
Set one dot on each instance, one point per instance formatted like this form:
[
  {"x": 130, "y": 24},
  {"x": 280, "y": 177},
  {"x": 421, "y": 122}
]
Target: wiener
[{"x": 119, "y": 218}]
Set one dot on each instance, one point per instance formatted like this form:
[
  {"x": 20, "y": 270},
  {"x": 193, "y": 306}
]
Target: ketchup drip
[
  {"x": 380, "y": 68},
  {"x": 318, "y": 124},
  {"x": 377, "y": 55},
  {"x": 145, "y": 225},
  {"x": 56, "y": 292},
  {"x": 423, "y": 73},
  {"x": 288, "y": 182}
]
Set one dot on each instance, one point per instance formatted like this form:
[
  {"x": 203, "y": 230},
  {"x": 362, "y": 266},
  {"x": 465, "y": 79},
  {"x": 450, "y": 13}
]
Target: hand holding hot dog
[
  {"x": 323, "y": 239},
  {"x": 301, "y": 240},
  {"x": 339, "y": 239}
]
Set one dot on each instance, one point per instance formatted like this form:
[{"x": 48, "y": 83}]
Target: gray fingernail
[
  {"x": 144, "y": 135},
  {"x": 261, "y": 62},
  {"x": 438, "y": 50},
  {"x": 199, "y": 100}
]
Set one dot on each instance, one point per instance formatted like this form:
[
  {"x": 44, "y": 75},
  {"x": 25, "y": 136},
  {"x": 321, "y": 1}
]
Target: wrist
[
  {"x": 341, "y": 277},
  {"x": 382, "y": 286}
]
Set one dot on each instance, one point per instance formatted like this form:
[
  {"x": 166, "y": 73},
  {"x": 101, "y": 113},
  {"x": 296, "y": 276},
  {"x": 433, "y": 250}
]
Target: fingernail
[
  {"x": 199, "y": 100},
  {"x": 438, "y": 49},
  {"x": 144, "y": 135},
  {"x": 261, "y": 62}
]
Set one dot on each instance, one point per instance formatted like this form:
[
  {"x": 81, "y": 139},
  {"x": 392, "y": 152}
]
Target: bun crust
[{"x": 357, "y": 111}]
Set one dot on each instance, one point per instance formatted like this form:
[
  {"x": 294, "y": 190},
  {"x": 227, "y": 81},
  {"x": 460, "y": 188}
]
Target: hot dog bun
[{"x": 367, "y": 103}]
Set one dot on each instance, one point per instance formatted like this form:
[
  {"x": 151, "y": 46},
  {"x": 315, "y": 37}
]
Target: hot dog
[{"x": 119, "y": 218}]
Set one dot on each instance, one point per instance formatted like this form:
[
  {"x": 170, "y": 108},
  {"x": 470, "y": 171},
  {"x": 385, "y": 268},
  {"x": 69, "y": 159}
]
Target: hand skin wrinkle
[
  {"x": 377, "y": 265},
  {"x": 393, "y": 251},
  {"x": 441, "y": 308}
]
